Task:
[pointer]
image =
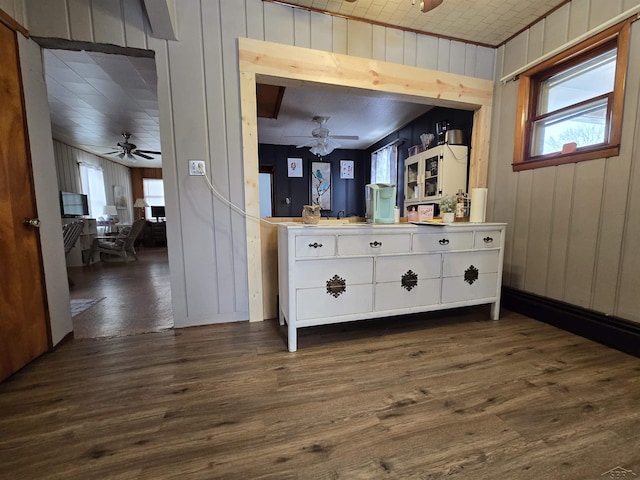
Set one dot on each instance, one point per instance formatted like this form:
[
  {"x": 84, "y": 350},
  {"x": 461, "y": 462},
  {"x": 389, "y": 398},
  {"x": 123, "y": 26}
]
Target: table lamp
[{"x": 142, "y": 204}]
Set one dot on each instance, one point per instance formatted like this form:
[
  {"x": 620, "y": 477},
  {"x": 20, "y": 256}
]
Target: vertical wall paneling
[
  {"x": 302, "y": 28},
  {"x": 579, "y": 18},
  {"x": 278, "y": 23},
  {"x": 485, "y": 63},
  {"x": 444, "y": 55},
  {"x": 583, "y": 235},
  {"x": 394, "y": 45},
  {"x": 214, "y": 52},
  {"x": 427, "y": 52},
  {"x": 600, "y": 11},
  {"x": 13, "y": 8},
  {"x": 255, "y": 19},
  {"x": 559, "y": 247},
  {"x": 339, "y": 34},
  {"x": 321, "y": 27},
  {"x": 627, "y": 4},
  {"x": 48, "y": 19},
  {"x": 80, "y": 20},
  {"x": 536, "y": 41},
  {"x": 471, "y": 60},
  {"x": 457, "y": 60},
  {"x": 410, "y": 48},
  {"x": 378, "y": 40},
  {"x": 521, "y": 229},
  {"x": 515, "y": 54},
  {"x": 556, "y": 29},
  {"x": 107, "y": 22},
  {"x": 188, "y": 92},
  {"x": 537, "y": 257},
  {"x": 135, "y": 25},
  {"x": 232, "y": 28},
  {"x": 359, "y": 39}
]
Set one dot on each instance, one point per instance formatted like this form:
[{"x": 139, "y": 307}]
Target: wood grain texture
[{"x": 416, "y": 397}]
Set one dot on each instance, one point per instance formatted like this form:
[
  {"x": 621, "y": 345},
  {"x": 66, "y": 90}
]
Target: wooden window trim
[{"x": 526, "y": 101}]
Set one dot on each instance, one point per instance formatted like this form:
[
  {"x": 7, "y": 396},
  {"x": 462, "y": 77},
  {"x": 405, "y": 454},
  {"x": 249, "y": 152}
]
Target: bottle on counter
[
  {"x": 460, "y": 206},
  {"x": 396, "y": 214},
  {"x": 412, "y": 214}
]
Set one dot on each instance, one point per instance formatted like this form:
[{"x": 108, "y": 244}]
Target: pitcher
[{"x": 311, "y": 214}]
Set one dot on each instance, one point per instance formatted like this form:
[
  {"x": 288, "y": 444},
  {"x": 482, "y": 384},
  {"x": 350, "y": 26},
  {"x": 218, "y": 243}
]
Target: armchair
[
  {"x": 70, "y": 234},
  {"x": 122, "y": 244}
]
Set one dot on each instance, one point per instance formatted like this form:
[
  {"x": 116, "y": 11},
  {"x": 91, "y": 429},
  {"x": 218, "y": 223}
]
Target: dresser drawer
[
  {"x": 392, "y": 268},
  {"x": 393, "y": 296},
  {"x": 444, "y": 241},
  {"x": 456, "y": 289},
  {"x": 315, "y": 246},
  {"x": 318, "y": 303},
  {"x": 456, "y": 264},
  {"x": 487, "y": 239},
  {"x": 373, "y": 244},
  {"x": 316, "y": 273}
]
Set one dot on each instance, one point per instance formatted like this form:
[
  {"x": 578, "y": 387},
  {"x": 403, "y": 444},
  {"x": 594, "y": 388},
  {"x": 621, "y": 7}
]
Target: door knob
[{"x": 31, "y": 222}]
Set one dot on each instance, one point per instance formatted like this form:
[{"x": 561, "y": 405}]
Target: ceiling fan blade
[
  {"x": 148, "y": 151},
  {"x": 345, "y": 137},
  {"x": 111, "y": 153},
  {"x": 310, "y": 143},
  {"x": 142, "y": 155}
]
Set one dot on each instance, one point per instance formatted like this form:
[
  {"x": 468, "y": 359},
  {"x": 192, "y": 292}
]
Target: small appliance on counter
[{"x": 380, "y": 199}]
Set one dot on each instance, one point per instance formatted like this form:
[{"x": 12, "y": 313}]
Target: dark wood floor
[
  {"x": 425, "y": 397},
  {"x": 137, "y": 295}
]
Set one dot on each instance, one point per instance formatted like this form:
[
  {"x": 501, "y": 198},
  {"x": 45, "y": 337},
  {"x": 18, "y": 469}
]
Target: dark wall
[{"x": 347, "y": 196}]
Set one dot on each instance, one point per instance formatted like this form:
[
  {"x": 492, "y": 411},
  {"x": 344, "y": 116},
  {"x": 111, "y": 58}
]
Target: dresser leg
[
  {"x": 495, "y": 311},
  {"x": 293, "y": 337}
]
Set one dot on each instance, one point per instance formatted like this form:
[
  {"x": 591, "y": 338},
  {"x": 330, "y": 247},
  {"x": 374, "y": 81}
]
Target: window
[
  {"x": 384, "y": 165},
  {"x": 570, "y": 106},
  {"x": 153, "y": 190},
  {"x": 92, "y": 182}
]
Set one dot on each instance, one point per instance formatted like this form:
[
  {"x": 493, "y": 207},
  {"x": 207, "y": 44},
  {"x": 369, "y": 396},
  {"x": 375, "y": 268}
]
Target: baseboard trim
[{"x": 613, "y": 332}]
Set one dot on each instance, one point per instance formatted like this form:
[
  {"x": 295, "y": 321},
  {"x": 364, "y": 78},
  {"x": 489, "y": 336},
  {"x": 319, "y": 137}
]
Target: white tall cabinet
[
  {"x": 331, "y": 274},
  {"x": 436, "y": 172}
]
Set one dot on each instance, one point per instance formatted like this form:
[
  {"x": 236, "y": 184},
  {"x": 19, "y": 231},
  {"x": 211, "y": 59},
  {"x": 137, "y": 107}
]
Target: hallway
[{"x": 137, "y": 296}]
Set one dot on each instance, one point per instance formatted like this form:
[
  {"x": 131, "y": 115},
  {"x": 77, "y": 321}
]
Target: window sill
[{"x": 562, "y": 159}]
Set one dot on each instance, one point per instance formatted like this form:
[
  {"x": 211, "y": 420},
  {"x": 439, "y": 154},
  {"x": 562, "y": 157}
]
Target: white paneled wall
[
  {"x": 200, "y": 115},
  {"x": 67, "y": 159},
  {"x": 573, "y": 229}
]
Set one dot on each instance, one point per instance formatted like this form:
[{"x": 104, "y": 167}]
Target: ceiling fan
[
  {"x": 322, "y": 142},
  {"x": 129, "y": 149}
]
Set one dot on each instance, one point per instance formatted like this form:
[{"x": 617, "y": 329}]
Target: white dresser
[{"x": 340, "y": 273}]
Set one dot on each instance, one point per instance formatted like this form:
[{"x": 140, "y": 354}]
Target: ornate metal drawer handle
[
  {"x": 409, "y": 280},
  {"x": 444, "y": 241},
  {"x": 375, "y": 244},
  {"x": 471, "y": 275},
  {"x": 487, "y": 239},
  {"x": 315, "y": 245},
  {"x": 336, "y": 286}
]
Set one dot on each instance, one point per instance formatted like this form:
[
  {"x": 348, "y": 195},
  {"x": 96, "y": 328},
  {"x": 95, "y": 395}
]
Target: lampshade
[
  {"x": 110, "y": 210},
  {"x": 140, "y": 203}
]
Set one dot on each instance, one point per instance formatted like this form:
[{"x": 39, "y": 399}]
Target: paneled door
[{"x": 24, "y": 322}]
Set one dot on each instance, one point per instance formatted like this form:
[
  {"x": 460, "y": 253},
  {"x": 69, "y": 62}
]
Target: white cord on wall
[{"x": 227, "y": 202}]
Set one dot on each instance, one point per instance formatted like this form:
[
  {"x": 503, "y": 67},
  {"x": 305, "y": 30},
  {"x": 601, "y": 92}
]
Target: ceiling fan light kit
[
  {"x": 130, "y": 149},
  {"x": 322, "y": 142}
]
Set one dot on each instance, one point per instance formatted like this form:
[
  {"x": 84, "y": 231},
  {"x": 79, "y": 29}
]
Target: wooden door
[{"x": 24, "y": 318}]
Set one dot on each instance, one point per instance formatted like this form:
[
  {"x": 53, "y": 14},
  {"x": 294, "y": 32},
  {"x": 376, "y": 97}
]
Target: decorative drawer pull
[
  {"x": 487, "y": 239},
  {"x": 315, "y": 245},
  {"x": 375, "y": 244},
  {"x": 471, "y": 275},
  {"x": 336, "y": 286},
  {"x": 409, "y": 281},
  {"x": 444, "y": 241}
]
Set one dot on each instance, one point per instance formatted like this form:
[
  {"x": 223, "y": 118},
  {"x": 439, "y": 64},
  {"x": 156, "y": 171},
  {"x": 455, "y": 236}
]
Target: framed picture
[
  {"x": 346, "y": 169},
  {"x": 294, "y": 167},
  {"x": 321, "y": 185},
  {"x": 119, "y": 197}
]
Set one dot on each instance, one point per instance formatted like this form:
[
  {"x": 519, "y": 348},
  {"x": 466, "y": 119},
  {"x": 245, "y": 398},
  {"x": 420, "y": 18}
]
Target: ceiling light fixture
[{"x": 426, "y": 5}]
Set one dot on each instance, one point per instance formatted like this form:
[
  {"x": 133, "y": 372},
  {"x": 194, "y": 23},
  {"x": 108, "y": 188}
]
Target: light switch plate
[{"x": 193, "y": 167}]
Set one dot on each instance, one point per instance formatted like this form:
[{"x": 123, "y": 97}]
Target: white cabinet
[
  {"x": 436, "y": 172},
  {"x": 330, "y": 274}
]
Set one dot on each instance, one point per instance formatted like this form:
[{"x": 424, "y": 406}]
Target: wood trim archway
[{"x": 285, "y": 65}]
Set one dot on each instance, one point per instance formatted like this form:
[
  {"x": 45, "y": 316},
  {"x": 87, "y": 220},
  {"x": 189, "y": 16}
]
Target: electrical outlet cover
[{"x": 193, "y": 167}]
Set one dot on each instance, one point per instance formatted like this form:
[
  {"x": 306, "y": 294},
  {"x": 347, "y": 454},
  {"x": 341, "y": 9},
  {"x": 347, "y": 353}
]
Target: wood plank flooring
[
  {"x": 448, "y": 395},
  {"x": 137, "y": 295}
]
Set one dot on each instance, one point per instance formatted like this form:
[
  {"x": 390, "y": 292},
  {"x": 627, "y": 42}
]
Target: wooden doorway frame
[{"x": 285, "y": 65}]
